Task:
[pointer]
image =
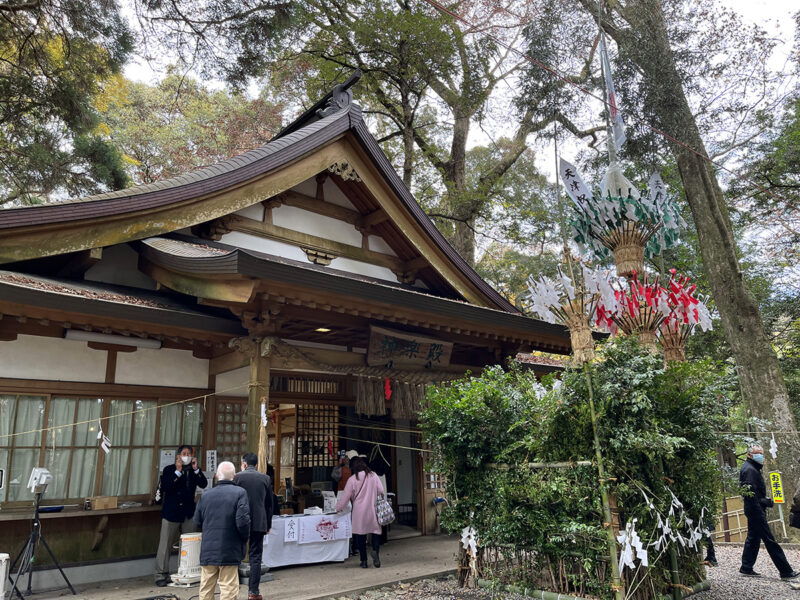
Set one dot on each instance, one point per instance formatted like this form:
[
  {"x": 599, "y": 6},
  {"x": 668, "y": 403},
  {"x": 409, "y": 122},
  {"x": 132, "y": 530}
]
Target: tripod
[{"x": 27, "y": 554}]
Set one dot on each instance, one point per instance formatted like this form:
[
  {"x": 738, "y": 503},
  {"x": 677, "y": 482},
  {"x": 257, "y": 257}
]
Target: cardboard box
[
  {"x": 103, "y": 502},
  {"x": 287, "y": 511}
]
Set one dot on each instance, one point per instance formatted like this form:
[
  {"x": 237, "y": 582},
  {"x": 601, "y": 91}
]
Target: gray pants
[{"x": 169, "y": 534}]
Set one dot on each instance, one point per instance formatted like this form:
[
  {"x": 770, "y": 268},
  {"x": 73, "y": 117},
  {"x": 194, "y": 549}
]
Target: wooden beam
[
  {"x": 81, "y": 263},
  {"x": 326, "y": 209},
  {"x": 225, "y": 290},
  {"x": 306, "y": 240},
  {"x": 227, "y": 362},
  {"x": 375, "y": 217}
]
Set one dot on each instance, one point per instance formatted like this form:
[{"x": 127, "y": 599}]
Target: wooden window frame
[{"x": 48, "y": 390}]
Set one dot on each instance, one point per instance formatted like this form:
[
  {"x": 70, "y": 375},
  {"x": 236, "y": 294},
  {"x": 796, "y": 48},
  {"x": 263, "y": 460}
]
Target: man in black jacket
[
  {"x": 179, "y": 482},
  {"x": 259, "y": 495},
  {"x": 755, "y": 507},
  {"x": 223, "y": 516}
]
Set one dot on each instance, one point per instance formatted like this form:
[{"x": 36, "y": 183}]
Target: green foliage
[
  {"x": 658, "y": 432},
  {"x": 180, "y": 125},
  {"x": 56, "y": 57}
]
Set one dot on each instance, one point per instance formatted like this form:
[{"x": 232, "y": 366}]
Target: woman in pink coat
[{"x": 362, "y": 490}]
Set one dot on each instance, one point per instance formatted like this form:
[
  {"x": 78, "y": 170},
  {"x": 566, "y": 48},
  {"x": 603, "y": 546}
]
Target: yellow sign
[{"x": 776, "y": 486}]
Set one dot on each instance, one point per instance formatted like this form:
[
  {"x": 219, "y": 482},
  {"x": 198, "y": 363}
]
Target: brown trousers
[{"x": 227, "y": 577}]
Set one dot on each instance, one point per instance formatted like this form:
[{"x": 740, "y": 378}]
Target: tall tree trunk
[
  {"x": 759, "y": 372},
  {"x": 461, "y": 208}
]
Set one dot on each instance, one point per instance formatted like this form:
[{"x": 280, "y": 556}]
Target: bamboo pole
[{"x": 616, "y": 582}]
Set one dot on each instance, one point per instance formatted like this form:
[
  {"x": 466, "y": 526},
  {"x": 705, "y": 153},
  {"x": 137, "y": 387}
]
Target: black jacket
[
  {"x": 794, "y": 512},
  {"x": 178, "y": 492},
  {"x": 750, "y": 477},
  {"x": 224, "y": 518},
  {"x": 259, "y": 495}
]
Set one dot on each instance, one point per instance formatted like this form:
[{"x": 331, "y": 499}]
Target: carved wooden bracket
[
  {"x": 251, "y": 346},
  {"x": 406, "y": 276},
  {"x": 211, "y": 230},
  {"x": 345, "y": 171},
  {"x": 318, "y": 257}
]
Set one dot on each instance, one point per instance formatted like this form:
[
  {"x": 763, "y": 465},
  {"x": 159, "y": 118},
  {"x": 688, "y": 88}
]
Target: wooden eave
[
  {"x": 285, "y": 282},
  {"x": 214, "y": 192},
  {"x": 40, "y": 303}
]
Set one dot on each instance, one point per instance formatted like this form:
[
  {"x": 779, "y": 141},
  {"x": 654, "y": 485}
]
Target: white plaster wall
[
  {"x": 253, "y": 242},
  {"x": 376, "y": 244},
  {"x": 255, "y": 212},
  {"x": 334, "y": 195},
  {"x": 362, "y": 268},
  {"x": 120, "y": 266},
  {"x": 168, "y": 367},
  {"x": 51, "y": 359},
  {"x": 311, "y": 223},
  {"x": 307, "y": 187},
  {"x": 238, "y": 378}
]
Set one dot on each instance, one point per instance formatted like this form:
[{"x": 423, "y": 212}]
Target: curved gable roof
[{"x": 290, "y": 145}]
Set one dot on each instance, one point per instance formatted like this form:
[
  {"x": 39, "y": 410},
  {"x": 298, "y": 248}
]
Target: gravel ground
[
  {"x": 442, "y": 588},
  {"x": 727, "y": 583}
]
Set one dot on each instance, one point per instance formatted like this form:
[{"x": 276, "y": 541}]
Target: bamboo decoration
[
  {"x": 621, "y": 221},
  {"x": 573, "y": 301},
  {"x": 641, "y": 309},
  {"x": 687, "y": 311}
]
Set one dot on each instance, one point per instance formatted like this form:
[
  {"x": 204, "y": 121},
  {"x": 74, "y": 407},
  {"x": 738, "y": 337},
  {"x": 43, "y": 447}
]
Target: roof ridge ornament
[{"x": 341, "y": 96}]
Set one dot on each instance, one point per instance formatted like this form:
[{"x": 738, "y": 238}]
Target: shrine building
[{"x": 302, "y": 275}]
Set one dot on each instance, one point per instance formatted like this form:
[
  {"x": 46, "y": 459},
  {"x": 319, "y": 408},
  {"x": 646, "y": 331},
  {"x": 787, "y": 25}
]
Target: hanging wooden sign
[{"x": 398, "y": 349}]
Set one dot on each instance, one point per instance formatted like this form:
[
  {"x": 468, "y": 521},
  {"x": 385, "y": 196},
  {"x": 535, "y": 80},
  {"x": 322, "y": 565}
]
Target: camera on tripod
[{"x": 39, "y": 480}]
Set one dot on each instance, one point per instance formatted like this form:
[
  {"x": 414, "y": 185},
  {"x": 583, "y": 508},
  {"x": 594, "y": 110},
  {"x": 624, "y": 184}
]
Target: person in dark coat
[
  {"x": 259, "y": 495},
  {"x": 223, "y": 515},
  {"x": 794, "y": 512},
  {"x": 179, "y": 482},
  {"x": 755, "y": 509}
]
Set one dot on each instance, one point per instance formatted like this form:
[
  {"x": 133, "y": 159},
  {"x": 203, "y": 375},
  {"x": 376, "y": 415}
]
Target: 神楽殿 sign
[{"x": 399, "y": 349}]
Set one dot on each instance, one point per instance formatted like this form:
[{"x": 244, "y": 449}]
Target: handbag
[{"x": 383, "y": 510}]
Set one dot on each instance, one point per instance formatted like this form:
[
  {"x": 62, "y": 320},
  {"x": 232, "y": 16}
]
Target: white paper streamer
[
  {"x": 263, "y": 414},
  {"x": 773, "y": 447},
  {"x": 105, "y": 443}
]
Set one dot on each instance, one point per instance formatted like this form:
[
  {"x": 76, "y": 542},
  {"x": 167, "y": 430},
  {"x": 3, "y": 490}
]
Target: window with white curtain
[{"x": 70, "y": 448}]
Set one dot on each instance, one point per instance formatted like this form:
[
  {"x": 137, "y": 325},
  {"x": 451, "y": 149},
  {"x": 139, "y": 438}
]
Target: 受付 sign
[
  {"x": 776, "y": 485},
  {"x": 396, "y": 349}
]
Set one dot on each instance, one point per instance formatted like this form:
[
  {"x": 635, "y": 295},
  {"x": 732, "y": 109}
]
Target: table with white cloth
[{"x": 304, "y": 539}]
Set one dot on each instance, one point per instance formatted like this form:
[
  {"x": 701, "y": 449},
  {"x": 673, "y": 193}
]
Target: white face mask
[{"x": 186, "y": 459}]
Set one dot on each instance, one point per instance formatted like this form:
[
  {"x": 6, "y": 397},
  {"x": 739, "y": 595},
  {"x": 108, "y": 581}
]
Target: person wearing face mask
[
  {"x": 179, "y": 482},
  {"x": 755, "y": 509}
]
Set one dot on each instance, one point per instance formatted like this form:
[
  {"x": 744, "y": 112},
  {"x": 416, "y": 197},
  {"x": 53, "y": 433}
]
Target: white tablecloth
[{"x": 279, "y": 553}]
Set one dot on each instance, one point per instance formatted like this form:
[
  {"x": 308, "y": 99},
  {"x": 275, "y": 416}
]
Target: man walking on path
[
  {"x": 259, "y": 495},
  {"x": 223, "y": 516},
  {"x": 755, "y": 507},
  {"x": 179, "y": 482}
]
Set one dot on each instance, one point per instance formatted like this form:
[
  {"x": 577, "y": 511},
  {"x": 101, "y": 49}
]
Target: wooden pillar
[
  {"x": 278, "y": 449},
  {"x": 258, "y": 350},
  {"x": 258, "y": 395}
]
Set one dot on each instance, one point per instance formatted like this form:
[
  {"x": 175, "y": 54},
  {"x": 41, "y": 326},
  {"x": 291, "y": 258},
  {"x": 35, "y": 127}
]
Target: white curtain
[
  {"x": 62, "y": 412},
  {"x": 85, "y": 455},
  {"x": 115, "y": 470},
  {"x": 8, "y": 405},
  {"x": 23, "y": 463},
  {"x": 192, "y": 419},
  {"x": 170, "y": 429},
  {"x": 84, "y": 467},
  {"x": 29, "y": 418},
  {"x": 142, "y": 476}
]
